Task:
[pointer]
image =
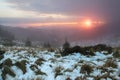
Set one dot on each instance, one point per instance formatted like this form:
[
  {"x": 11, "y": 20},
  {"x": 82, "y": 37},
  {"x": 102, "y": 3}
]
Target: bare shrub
[
  {"x": 110, "y": 63},
  {"x": 39, "y": 61},
  {"x": 58, "y": 71},
  {"x": 86, "y": 69},
  {"x": 22, "y": 65},
  {"x": 81, "y": 78}
]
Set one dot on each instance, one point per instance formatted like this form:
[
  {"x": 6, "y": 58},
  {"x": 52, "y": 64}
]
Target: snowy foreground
[{"x": 35, "y": 64}]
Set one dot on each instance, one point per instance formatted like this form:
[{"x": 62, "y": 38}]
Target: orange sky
[{"x": 87, "y": 23}]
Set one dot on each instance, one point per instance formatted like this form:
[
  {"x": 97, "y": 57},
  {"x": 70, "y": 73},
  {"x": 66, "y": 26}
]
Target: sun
[{"x": 88, "y": 23}]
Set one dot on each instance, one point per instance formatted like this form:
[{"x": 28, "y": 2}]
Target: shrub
[
  {"x": 86, "y": 69},
  {"x": 2, "y": 52},
  {"x": 66, "y": 45},
  {"x": 1, "y": 65},
  {"x": 5, "y": 71},
  {"x": 66, "y": 52},
  {"x": 51, "y": 49},
  {"x": 80, "y": 78},
  {"x": 100, "y": 47},
  {"x": 37, "y": 78},
  {"x": 110, "y": 63},
  {"x": 58, "y": 71},
  {"x": 116, "y": 54},
  {"x": 88, "y": 53},
  {"x": 53, "y": 60},
  {"x": 22, "y": 65},
  {"x": 8, "y": 62},
  {"x": 39, "y": 61},
  {"x": 39, "y": 72},
  {"x": 36, "y": 70},
  {"x": 109, "y": 49},
  {"x": 86, "y": 50},
  {"x": 97, "y": 78},
  {"x": 1, "y": 57},
  {"x": 33, "y": 67},
  {"x": 57, "y": 55},
  {"x": 68, "y": 78},
  {"x": 103, "y": 47},
  {"x": 81, "y": 61},
  {"x": 68, "y": 70},
  {"x": 78, "y": 49},
  {"x": 105, "y": 76}
]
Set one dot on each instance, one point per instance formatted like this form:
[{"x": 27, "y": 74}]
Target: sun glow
[
  {"x": 88, "y": 23},
  {"x": 51, "y": 24}
]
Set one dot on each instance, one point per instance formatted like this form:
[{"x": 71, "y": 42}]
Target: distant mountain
[
  {"x": 5, "y": 34},
  {"x": 57, "y": 35}
]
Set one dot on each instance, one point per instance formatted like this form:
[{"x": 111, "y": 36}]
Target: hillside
[{"x": 23, "y": 63}]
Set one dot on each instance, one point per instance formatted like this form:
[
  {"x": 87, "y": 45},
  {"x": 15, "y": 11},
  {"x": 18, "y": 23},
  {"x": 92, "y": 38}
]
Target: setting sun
[{"x": 88, "y": 23}]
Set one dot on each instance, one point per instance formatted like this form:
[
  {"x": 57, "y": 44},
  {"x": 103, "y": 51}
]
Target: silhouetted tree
[
  {"x": 28, "y": 43},
  {"x": 66, "y": 48},
  {"x": 66, "y": 45},
  {"x": 47, "y": 45}
]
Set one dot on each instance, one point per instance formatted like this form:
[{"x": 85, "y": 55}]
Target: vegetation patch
[
  {"x": 89, "y": 50},
  {"x": 68, "y": 78},
  {"x": 2, "y": 52},
  {"x": 81, "y": 78},
  {"x": 6, "y": 71},
  {"x": 110, "y": 63},
  {"x": 39, "y": 72},
  {"x": 86, "y": 69},
  {"x": 57, "y": 55},
  {"x": 68, "y": 70},
  {"x": 53, "y": 60},
  {"x": 33, "y": 67},
  {"x": 8, "y": 62},
  {"x": 39, "y": 61},
  {"x": 36, "y": 70},
  {"x": 1, "y": 57},
  {"x": 116, "y": 54},
  {"x": 1, "y": 65},
  {"x": 104, "y": 76},
  {"x": 58, "y": 71},
  {"x": 22, "y": 65}
]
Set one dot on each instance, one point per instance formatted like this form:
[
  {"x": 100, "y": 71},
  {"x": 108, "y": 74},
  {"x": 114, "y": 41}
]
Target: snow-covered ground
[{"x": 45, "y": 65}]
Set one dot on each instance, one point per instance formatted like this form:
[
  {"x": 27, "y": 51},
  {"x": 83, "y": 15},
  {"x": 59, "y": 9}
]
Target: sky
[{"x": 58, "y": 12}]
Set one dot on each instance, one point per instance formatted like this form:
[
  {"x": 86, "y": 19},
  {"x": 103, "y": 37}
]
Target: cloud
[
  {"x": 57, "y": 6},
  {"x": 58, "y": 10},
  {"x": 94, "y": 8}
]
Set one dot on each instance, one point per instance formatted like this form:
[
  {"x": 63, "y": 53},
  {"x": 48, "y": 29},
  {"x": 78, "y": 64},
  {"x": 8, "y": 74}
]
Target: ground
[{"x": 37, "y": 64}]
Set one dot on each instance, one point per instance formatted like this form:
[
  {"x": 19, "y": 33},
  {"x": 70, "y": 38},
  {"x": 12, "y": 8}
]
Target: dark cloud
[{"x": 102, "y": 8}]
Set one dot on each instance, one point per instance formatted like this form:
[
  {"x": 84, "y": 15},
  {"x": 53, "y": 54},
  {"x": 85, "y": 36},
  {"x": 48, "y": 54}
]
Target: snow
[{"x": 66, "y": 63}]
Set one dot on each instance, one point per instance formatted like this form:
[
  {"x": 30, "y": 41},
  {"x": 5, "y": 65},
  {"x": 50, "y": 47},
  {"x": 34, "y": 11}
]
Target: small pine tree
[
  {"x": 66, "y": 45},
  {"x": 66, "y": 48},
  {"x": 47, "y": 45},
  {"x": 28, "y": 43}
]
